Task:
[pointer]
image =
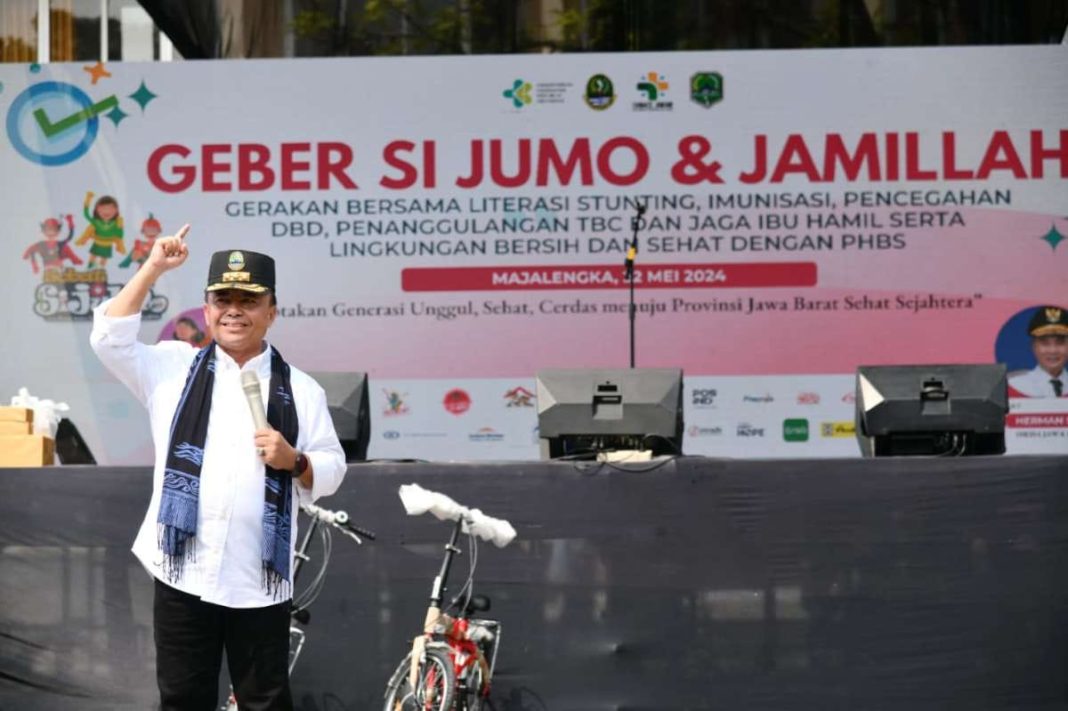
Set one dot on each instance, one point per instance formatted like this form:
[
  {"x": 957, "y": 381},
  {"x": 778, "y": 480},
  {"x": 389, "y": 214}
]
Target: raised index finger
[{"x": 180, "y": 234}]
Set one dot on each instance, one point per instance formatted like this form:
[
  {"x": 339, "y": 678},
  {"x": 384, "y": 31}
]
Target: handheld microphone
[{"x": 250, "y": 383}]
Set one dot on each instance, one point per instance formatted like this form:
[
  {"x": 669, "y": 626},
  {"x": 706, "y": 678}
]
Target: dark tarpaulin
[
  {"x": 210, "y": 29},
  {"x": 191, "y": 25},
  {"x": 705, "y": 584}
]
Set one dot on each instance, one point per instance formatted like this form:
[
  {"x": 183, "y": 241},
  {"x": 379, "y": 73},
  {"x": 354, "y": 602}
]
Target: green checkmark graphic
[{"x": 51, "y": 129}]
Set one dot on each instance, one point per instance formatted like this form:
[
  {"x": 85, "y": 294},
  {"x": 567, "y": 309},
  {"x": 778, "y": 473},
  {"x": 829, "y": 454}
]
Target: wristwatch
[{"x": 300, "y": 465}]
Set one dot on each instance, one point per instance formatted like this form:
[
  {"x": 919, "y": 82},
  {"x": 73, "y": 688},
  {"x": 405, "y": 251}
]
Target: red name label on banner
[
  {"x": 599, "y": 276},
  {"x": 1031, "y": 420}
]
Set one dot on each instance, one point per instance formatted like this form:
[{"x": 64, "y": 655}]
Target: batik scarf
[{"x": 177, "y": 521}]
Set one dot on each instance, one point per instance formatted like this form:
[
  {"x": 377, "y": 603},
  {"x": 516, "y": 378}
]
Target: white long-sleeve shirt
[
  {"x": 1036, "y": 383},
  {"x": 227, "y": 569}
]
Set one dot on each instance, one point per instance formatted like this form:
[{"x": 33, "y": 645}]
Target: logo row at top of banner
[{"x": 651, "y": 92}]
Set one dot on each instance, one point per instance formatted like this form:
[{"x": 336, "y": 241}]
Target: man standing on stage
[
  {"x": 220, "y": 529},
  {"x": 1049, "y": 342}
]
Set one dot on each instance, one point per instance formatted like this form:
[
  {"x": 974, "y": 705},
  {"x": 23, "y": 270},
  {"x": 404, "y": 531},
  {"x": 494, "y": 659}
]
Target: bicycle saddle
[{"x": 477, "y": 603}]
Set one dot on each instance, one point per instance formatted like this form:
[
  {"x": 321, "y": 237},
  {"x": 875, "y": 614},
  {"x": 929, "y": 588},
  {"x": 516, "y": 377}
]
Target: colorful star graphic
[
  {"x": 97, "y": 72},
  {"x": 142, "y": 96},
  {"x": 1053, "y": 237},
  {"x": 116, "y": 115}
]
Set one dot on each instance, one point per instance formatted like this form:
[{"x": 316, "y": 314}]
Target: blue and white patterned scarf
[{"x": 177, "y": 521}]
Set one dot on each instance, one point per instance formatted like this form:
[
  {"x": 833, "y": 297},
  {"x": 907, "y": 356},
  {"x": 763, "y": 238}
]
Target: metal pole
[
  {"x": 632, "y": 253},
  {"x": 104, "y": 31},
  {"x": 632, "y": 315},
  {"x": 466, "y": 33},
  {"x": 44, "y": 32}
]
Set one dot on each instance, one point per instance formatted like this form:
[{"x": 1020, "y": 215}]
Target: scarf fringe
[
  {"x": 178, "y": 513},
  {"x": 178, "y": 548},
  {"x": 273, "y": 582}
]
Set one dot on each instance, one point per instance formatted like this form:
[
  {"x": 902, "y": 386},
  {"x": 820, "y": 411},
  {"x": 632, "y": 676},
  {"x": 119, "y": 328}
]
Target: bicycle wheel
[{"x": 435, "y": 685}]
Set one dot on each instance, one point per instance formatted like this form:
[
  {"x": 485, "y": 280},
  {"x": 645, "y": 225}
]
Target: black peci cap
[
  {"x": 237, "y": 269},
  {"x": 1048, "y": 321}
]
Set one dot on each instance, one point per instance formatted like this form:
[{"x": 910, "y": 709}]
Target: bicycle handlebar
[
  {"x": 338, "y": 519},
  {"x": 418, "y": 500}
]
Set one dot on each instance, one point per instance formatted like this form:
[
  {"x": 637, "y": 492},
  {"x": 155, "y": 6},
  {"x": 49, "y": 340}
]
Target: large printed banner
[{"x": 454, "y": 225}]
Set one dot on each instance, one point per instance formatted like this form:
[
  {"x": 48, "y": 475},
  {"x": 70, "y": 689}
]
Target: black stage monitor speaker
[
  {"x": 347, "y": 397},
  {"x": 70, "y": 447},
  {"x": 587, "y": 411},
  {"x": 940, "y": 410}
]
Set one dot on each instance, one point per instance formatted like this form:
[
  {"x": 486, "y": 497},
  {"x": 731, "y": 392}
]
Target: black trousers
[{"x": 190, "y": 638}]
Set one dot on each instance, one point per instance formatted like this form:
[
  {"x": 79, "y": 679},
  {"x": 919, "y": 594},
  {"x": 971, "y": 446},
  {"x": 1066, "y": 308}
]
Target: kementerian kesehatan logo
[
  {"x": 519, "y": 94},
  {"x": 706, "y": 88},
  {"x": 54, "y": 123},
  {"x": 600, "y": 94}
]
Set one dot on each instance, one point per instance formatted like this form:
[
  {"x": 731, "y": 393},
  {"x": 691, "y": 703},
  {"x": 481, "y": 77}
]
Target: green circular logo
[{"x": 600, "y": 94}]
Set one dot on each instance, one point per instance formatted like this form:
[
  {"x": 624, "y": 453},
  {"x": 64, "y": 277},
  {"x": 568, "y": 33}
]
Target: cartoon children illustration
[
  {"x": 150, "y": 229},
  {"x": 105, "y": 230},
  {"x": 51, "y": 250}
]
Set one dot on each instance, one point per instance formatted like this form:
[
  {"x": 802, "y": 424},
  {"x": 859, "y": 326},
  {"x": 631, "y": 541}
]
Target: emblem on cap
[
  {"x": 1053, "y": 315},
  {"x": 237, "y": 269}
]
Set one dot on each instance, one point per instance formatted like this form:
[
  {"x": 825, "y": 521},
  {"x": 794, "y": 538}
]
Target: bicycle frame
[
  {"x": 463, "y": 651},
  {"x": 451, "y": 662},
  {"x": 433, "y": 610},
  {"x": 300, "y": 556}
]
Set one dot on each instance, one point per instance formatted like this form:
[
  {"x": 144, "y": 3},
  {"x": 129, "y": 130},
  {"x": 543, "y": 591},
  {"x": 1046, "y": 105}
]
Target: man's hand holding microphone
[{"x": 271, "y": 446}]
